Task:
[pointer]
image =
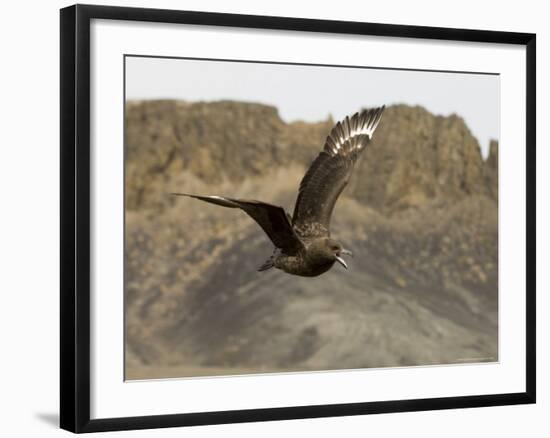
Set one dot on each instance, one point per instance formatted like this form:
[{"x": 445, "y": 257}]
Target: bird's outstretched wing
[
  {"x": 330, "y": 171},
  {"x": 272, "y": 218}
]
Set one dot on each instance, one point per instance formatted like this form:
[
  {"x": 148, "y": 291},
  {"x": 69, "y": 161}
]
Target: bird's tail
[{"x": 268, "y": 264}]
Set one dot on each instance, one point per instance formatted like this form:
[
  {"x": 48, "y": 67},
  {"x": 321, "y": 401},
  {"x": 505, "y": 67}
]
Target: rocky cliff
[{"x": 420, "y": 213}]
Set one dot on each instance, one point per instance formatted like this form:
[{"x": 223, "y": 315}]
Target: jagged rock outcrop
[
  {"x": 491, "y": 170},
  {"x": 213, "y": 141},
  {"x": 415, "y": 156}
]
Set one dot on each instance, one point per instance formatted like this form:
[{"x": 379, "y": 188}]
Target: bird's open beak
[
  {"x": 339, "y": 258},
  {"x": 341, "y": 261}
]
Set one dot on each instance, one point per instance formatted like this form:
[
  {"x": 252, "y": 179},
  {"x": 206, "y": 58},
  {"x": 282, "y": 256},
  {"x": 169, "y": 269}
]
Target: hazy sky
[{"x": 311, "y": 93}]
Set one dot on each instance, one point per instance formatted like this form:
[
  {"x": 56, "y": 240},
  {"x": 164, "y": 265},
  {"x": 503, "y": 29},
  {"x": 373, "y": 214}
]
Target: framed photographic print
[{"x": 269, "y": 218}]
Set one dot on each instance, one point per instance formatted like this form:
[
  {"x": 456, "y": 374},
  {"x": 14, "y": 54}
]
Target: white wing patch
[{"x": 352, "y": 134}]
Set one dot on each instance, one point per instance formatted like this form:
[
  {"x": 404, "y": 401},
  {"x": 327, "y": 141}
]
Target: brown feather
[
  {"x": 272, "y": 218},
  {"x": 329, "y": 173}
]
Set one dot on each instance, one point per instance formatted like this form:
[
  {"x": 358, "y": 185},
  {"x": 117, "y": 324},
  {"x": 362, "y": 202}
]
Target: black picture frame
[{"x": 75, "y": 217}]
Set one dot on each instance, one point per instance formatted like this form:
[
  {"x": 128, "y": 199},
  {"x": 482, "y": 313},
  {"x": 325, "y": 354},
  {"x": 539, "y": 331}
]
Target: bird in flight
[{"x": 303, "y": 245}]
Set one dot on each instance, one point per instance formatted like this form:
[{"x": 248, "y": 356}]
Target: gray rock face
[
  {"x": 416, "y": 158},
  {"x": 420, "y": 214}
]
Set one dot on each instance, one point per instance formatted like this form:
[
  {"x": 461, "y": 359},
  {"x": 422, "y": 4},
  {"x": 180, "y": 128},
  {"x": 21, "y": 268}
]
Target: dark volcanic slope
[{"x": 420, "y": 215}]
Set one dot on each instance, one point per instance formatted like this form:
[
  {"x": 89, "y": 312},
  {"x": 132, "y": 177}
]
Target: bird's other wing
[
  {"x": 330, "y": 171},
  {"x": 272, "y": 218}
]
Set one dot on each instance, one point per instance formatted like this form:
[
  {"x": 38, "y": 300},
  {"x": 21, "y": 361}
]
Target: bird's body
[
  {"x": 317, "y": 258},
  {"x": 297, "y": 265},
  {"x": 312, "y": 261},
  {"x": 303, "y": 245}
]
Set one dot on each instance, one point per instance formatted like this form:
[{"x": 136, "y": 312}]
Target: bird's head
[{"x": 330, "y": 250}]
